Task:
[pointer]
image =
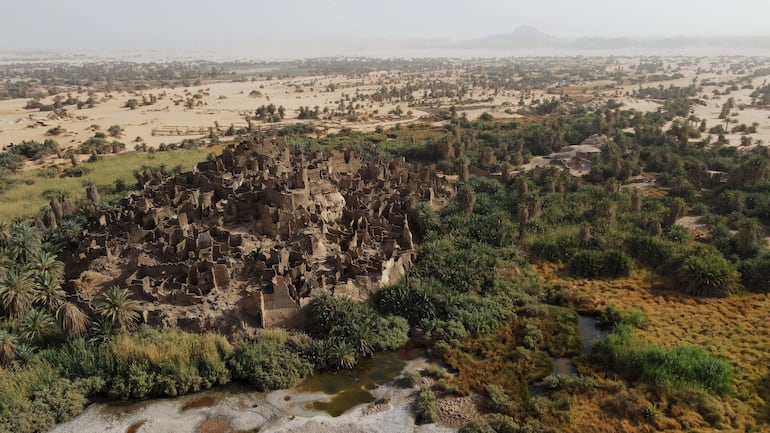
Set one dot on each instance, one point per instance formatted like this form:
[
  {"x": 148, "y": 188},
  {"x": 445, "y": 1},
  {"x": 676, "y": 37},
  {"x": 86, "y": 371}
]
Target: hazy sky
[{"x": 125, "y": 24}]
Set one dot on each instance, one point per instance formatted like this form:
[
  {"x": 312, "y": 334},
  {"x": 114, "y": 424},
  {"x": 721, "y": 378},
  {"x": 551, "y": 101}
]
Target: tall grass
[
  {"x": 148, "y": 362},
  {"x": 25, "y": 197},
  {"x": 681, "y": 366}
]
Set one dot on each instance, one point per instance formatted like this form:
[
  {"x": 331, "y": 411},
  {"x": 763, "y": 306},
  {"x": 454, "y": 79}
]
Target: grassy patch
[
  {"x": 26, "y": 196},
  {"x": 681, "y": 366}
]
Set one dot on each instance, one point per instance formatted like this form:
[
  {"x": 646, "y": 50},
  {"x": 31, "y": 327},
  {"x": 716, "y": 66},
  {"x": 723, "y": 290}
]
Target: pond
[{"x": 591, "y": 334}]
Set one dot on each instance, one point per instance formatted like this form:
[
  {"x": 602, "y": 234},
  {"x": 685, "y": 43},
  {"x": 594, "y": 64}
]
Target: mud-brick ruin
[{"x": 244, "y": 240}]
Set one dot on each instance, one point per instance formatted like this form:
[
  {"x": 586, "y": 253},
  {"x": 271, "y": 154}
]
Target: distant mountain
[
  {"x": 522, "y": 37},
  {"x": 530, "y": 37}
]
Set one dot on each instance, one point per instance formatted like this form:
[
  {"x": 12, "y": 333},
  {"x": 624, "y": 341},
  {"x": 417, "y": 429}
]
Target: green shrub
[
  {"x": 586, "y": 263},
  {"x": 476, "y": 426},
  {"x": 593, "y": 264},
  {"x": 426, "y": 407},
  {"x": 706, "y": 272},
  {"x": 412, "y": 302},
  {"x": 434, "y": 371},
  {"x": 499, "y": 400},
  {"x": 552, "y": 248},
  {"x": 649, "y": 250},
  {"x": 148, "y": 362},
  {"x": 463, "y": 265},
  {"x": 615, "y": 264},
  {"x": 612, "y": 317},
  {"x": 756, "y": 274},
  {"x": 353, "y": 324},
  {"x": 571, "y": 383},
  {"x": 268, "y": 363},
  {"x": 412, "y": 378}
]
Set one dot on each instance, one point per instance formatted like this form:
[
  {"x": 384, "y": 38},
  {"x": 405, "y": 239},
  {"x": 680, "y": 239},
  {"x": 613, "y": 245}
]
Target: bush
[
  {"x": 268, "y": 363},
  {"x": 476, "y": 426},
  {"x": 707, "y": 273},
  {"x": 756, "y": 274},
  {"x": 553, "y": 249},
  {"x": 412, "y": 378},
  {"x": 426, "y": 407},
  {"x": 593, "y": 264},
  {"x": 650, "y": 251},
  {"x": 434, "y": 371},
  {"x": 463, "y": 265},
  {"x": 352, "y": 324},
  {"x": 612, "y": 317},
  {"x": 570, "y": 383},
  {"x": 499, "y": 400},
  {"x": 681, "y": 366},
  {"x": 148, "y": 362}
]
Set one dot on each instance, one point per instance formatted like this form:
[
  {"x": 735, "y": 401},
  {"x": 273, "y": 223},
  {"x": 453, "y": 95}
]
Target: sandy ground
[
  {"x": 227, "y": 103},
  {"x": 278, "y": 411},
  {"x": 222, "y": 103}
]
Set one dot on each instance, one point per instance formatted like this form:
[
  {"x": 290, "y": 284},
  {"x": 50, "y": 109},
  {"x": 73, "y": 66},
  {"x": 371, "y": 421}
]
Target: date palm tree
[
  {"x": 49, "y": 292},
  {"x": 8, "y": 344},
  {"x": 102, "y": 330},
  {"x": 36, "y": 325},
  {"x": 5, "y": 235},
  {"x": 116, "y": 305},
  {"x": 343, "y": 355},
  {"x": 71, "y": 319},
  {"x": 17, "y": 292},
  {"x": 25, "y": 241},
  {"x": 45, "y": 261}
]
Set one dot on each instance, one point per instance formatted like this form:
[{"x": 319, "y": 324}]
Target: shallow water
[
  {"x": 352, "y": 387},
  {"x": 590, "y": 333}
]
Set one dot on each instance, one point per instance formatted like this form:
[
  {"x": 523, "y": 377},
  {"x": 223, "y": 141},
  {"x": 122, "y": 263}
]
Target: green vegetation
[
  {"x": 674, "y": 367},
  {"x": 269, "y": 362},
  {"x": 426, "y": 407},
  {"x": 26, "y": 195},
  {"x": 346, "y": 330}
]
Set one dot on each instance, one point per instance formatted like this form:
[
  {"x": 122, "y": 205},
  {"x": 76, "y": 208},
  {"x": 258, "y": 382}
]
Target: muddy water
[{"x": 350, "y": 388}]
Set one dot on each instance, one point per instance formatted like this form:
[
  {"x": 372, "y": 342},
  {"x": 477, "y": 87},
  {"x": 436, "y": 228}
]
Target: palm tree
[
  {"x": 71, "y": 319},
  {"x": 116, "y": 305},
  {"x": 49, "y": 293},
  {"x": 636, "y": 200},
  {"x": 361, "y": 338},
  {"x": 45, "y": 261},
  {"x": 5, "y": 235},
  {"x": 748, "y": 234},
  {"x": 343, "y": 355},
  {"x": 25, "y": 241},
  {"x": 466, "y": 199},
  {"x": 708, "y": 273},
  {"x": 8, "y": 344},
  {"x": 17, "y": 292},
  {"x": 36, "y": 325},
  {"x": 24, "y": 352},
  {"x": 102, "y": 330}
]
